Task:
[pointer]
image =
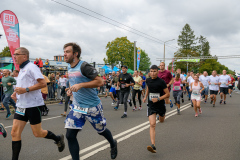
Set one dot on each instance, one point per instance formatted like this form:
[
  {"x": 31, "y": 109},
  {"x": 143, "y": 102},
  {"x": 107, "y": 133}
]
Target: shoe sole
[
  {"x": 4, "y": 130},
  {"x": 115, "y": 141},
  {"x": 62, "y": 140},
  {"x": 150, "y": 149}
]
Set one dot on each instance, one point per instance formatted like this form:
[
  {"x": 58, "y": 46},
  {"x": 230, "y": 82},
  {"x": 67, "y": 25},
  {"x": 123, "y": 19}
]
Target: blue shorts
[
  {"x": 205, "y": 91},
  {"x": 143, "y": 86},
  {"x": 113, "y": 90},
  {"x": 76, "y": 120}
]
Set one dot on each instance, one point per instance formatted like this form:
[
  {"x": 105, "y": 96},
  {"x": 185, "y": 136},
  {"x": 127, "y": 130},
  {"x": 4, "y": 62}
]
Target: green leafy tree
[
  {"x": 120, "y": 51},
  {"x": 144, "y": 61},
  {"x": 187, "y": 40},
  {"x": 203, "y": 47},
  {"x": 5, "y": 52}
]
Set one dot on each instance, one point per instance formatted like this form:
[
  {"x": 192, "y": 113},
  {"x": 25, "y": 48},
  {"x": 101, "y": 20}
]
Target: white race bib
[
  {"x": 230, "y": 84},
  {"x": 205, "y": 87},
  {"x": 223, "y": 83},
  {"x": 153, "y": 95},
  {"x": 109, "y": 84},
  {"x": 113, "y": 86},
  {"x": 212, "y": 84},
  {"x": 123, "y": 85},
  {"x": 140, "y": 88},
  {"x": 195, "y": 92},
  {"x": 177, "y": 88},
  {"x": 20, "y": 111},
  {"x": 80, "y": 109}
]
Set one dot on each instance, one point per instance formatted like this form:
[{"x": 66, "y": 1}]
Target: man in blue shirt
[{"x": 83, "y": 79}]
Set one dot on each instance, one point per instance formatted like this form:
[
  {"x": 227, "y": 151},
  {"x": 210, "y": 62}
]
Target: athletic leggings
[
  {"x": 67, "y": 98},
  {"x": 123, "y": 99},
  {"x": 139, "y": 96}
]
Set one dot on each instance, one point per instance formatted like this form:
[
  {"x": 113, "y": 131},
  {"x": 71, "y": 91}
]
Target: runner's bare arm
[
  {"x": 96, "y": 82},
  {"x": 201, "y": 85},
  {"x": 146, "y": 95},
  {"x": 166, "y": 95}
]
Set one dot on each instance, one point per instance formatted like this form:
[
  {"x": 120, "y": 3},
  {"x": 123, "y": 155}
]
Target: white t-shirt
[
  {"x": 189, "y": 81},
  {"x": 14, "y": 86},
  {"x": 204, "y": 80},
  {"x": 183, "y": 78},
  {"x": 213, "y": 80},
  {"x": 224, "y": 80},
  {"x": 63, "y": 81},
  {"x": 28, "y": 77}
]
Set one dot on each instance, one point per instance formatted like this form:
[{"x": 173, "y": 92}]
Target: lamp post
[
  {"x": 164, "y": 49},
  {"x": 134, "y": 68}
]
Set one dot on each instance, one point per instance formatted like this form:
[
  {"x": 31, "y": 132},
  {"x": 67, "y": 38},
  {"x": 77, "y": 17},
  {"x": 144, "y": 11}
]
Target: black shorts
[
  {"x": 230, "y": 87},
  {"x": 33, "y": 115},
  {"x": 184, "y": 84},
  {"x": 213, "y": 92},
  {"x": 223, "y": 90},
  {"x": 161, "y": 111}
]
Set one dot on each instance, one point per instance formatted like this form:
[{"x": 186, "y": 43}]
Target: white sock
[{"x": 125, "y": 112}]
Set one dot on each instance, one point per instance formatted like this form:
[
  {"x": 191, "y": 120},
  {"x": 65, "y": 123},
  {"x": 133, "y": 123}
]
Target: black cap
[{"x": 124, "y": 66}]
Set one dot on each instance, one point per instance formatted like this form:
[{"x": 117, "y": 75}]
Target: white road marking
[{"x": 169, "y": 114}]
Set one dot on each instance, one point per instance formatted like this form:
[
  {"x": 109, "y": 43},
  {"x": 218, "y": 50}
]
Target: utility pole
[
  {"x": 134, "y": 68},
  {"x": 164, "y": 49}
]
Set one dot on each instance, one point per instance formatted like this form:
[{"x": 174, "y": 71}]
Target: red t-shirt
[
  {"x": 165, "y": 75},
  {"x": 233, "y": 80}
]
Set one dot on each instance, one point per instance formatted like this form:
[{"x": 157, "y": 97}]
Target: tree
[
  {"x": 187, "y": 38},
  {"x": 144, "y": 61},
  {"x": 5, "y": 52},
  {"x": 120, "y": 51},
  {"x": 203, "y": 47}
]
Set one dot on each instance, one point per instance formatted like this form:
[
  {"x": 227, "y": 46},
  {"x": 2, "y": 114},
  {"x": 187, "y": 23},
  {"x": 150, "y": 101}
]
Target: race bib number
[
  {"x": 154, "y": 95},
  {"x": 212, "y": 84},
  {"x": 177, "y": 88},
  {"x": 223, "y": 83},
  {"x": 123, "y": 85},
  {"x": 5, "y": 89},
  {"x": 113, "y": 86},
  {"x": 109, "y": 84},
  {"x": 140, "y": 88},
  {"x": 20, "y": 111},
  {"x": 230, "y": 85},
  {"x": 80, "y": 109},
  {"x": 205, "y": 87},
  {"x": 195, "y": 92}
]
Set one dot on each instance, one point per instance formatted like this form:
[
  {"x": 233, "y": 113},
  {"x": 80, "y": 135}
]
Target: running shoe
[
  {"x": 116, "y": 108},
  {"x": 221, "y": 101},
  {"x": 60, "y": 103},
  {"x": 113, "y": 102},
  {"x": 178, "y": 110},
  {"x": 230, "y": 95},
  {"x": 196, "y": 115},
  {"x": 140, "y": 108},
  {"x": 124, "y": 116},
  {"x": 224, "y": 102},
  {"x": 171, "y": 104},
  {"x": 114, "y": 150},
  {"x": 189, "y": 99},
  {"x": 152, "y": 148},
  {"x": 192, "y": 104},
  {"x": 182, "y": 100},
  {"x": 1, "y": 109},
  {"x": 60, "y": 143},
  {"x": 200, "y": 111},
  {"x": 205, "y": 102},
  {"x": 3, "y": 131},
  {"x": 134, "y": 108},
  {"x": 213, "y": 105},
  {"x": 130, "y": 103},
  {"x": 8, "y": 115},
  {"x": 211, "y": 101}
]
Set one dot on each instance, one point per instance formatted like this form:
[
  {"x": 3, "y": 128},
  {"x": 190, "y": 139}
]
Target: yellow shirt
[
  {"x": 137, "y": 79},
  {"x": 45, "y": 89}
]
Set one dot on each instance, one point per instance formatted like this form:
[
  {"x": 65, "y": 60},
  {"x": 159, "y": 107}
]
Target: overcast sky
[{"x": 46, "y": 26}]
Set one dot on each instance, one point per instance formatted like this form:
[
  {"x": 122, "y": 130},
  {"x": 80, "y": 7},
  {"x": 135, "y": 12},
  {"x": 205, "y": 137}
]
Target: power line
[{"x": 108, "y": 22}]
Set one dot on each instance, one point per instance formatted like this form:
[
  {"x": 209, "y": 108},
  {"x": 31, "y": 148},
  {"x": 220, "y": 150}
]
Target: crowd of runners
[{"x": 80, "y": 87}]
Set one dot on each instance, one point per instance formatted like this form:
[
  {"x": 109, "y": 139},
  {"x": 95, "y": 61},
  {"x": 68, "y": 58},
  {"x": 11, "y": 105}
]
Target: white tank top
[{"x": 196, "y": 89}]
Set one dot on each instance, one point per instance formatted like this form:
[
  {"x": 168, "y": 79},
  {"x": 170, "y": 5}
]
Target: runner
[
  {"x": 183, "y": 82},
  {"x": 156, "y": 92},
  {"x": 196, "y": 94},
  {"x": 189, "y": 81},
  {"x": 213, "y": 86},
  {"x": 112, "y": 92},
  {"x": 86, "y": 105},
  {"x": 231, "y": 85},
  {"x": 117, "y": 87},
  {"x": 7, "y": 83},
  {"x": 224, "y": 79},
  {"x": 62, "y": 84},
  {"x": 3, "y": 131},
  {"x": 29, "y": 102},
  {"x": 187, "y": 86},
  {"x": 136, "y": 90},
  {"x": 177, "y": 91},
  {"x": 167, "y": 77},
  {"x": 108, "y": 85},
  {"x": 204, "y": 79},
  {"x": 143, "y": 84}
]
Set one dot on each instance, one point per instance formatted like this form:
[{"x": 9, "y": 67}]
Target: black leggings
[{"x": 134, "y": 92}]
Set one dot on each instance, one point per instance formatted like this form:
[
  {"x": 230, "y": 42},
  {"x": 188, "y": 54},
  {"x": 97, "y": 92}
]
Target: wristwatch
[
  {"x": 27, "y": 89},
  {"x": 158, "y": 99}
]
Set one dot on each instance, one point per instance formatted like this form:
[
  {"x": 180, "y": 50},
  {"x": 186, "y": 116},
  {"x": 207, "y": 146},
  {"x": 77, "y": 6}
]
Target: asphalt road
[{"x": 214, "y": 135}]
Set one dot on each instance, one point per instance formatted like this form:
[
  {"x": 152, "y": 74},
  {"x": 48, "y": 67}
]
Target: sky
[{"x": 45, "y": 26}]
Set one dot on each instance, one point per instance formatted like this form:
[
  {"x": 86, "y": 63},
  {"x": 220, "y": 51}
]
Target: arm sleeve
[
  {"x": 13, "y": 81},
  {"x": 89, "y": 71}
]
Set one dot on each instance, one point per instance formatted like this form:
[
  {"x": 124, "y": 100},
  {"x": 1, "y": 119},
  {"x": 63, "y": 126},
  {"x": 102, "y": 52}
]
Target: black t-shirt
[
  {"x": 89, "y": 71},
  {"x": 123, "y": 79},
  {"x": 156, "y": 87}
]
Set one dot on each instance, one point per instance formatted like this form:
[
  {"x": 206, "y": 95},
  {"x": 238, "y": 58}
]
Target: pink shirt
[{"x": 177, "y": 85}]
